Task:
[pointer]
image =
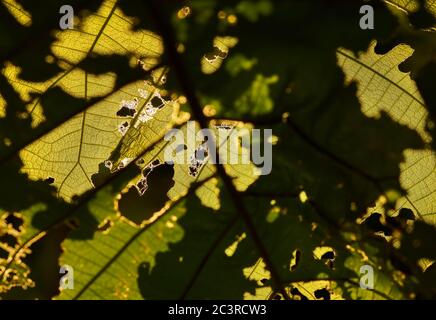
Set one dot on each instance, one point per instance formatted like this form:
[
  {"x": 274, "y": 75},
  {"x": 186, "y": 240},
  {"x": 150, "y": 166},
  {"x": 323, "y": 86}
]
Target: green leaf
[
  {"x": 84, "y": 117},
  {"x": 383, "y": 87}
]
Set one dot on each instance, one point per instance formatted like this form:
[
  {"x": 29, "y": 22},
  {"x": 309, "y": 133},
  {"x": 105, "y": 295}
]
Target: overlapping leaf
[{"x": 350, "y": 131}]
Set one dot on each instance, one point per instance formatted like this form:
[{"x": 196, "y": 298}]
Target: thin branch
[{"x": 188, "y": 88}]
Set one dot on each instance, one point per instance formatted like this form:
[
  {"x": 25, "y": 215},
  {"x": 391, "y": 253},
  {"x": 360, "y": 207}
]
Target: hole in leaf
[
  {"x": 8, "y": 239},
  {"x": 105, "y": 225},
  {"x": 277, "y": 297},
  {"x": 322, "y": 294},
  {"x": 14, "y": 220},
  {"x": 141, "y": 201},
  {"x": 50, "y": 180},
  {"x": 4, "y": 254},
  {"x": 297, "y": 294},
  {"x": 328, "y": 255}
]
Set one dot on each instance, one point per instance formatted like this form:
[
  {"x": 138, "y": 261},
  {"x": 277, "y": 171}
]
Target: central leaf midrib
[
  {"x": 83, "y": 123},
  {"x": 94, "y": 43},
  {"x": 381, "y": 76}
]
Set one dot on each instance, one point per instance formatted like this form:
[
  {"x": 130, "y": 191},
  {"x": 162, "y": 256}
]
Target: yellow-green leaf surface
[
  {"x": 412, "y": 5},
  {"x": 383, "y": 87},
  {"x": 88, "y": 184},
  {"x": 124, "y": 245},
  {"x": 71, "y": 153},
  {"x": 105, "y": 267}
]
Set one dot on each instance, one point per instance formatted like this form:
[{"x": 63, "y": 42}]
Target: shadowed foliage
[{"x": 85, "y": 183}]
